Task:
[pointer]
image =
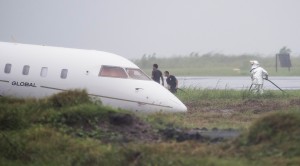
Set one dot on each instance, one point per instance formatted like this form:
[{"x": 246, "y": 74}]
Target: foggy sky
[{"x": 132, "y": 28}]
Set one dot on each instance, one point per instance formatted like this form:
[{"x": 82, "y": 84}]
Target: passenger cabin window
[
  {"x": 7, "y": 68},
  {"x": 112, "y": 71},
  {"x": 44, "y": 71},
  {"x": 26, "y": 70},
  {"x": 137, "y": 74},
  {"x": 64, "y": 73}
]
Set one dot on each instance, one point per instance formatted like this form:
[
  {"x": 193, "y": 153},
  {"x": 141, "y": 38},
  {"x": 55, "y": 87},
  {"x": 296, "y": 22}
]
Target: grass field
[{"x": 69, "y": 129}]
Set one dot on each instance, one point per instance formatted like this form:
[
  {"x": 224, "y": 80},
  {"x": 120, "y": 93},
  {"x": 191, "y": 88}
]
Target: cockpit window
[
  {"x": 136, "y": 74},
  {"x": 112, "y": 71}
]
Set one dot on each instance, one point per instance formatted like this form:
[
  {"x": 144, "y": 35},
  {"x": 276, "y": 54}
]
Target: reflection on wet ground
[{"x": 214, "y": 135}]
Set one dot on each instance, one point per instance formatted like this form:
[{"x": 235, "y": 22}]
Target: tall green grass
[
  {"x": 59, "y": 130},
  {"x": 274, "y": 136}
]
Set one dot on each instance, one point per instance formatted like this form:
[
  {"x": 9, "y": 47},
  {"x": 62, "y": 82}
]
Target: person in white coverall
[{"x": 258, "y": 74}]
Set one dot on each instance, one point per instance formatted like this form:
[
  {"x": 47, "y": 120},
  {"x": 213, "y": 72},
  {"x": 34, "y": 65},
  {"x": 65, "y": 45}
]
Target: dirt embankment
[{"x": 129, "y": 128}]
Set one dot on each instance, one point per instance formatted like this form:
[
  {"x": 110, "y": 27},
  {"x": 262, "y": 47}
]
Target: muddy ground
[{"x": 130, "y": 128}]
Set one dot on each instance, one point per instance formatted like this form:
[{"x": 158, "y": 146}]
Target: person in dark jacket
[
  {"x": 171, "y": 81},
  {"x": 157, "y": 75}
]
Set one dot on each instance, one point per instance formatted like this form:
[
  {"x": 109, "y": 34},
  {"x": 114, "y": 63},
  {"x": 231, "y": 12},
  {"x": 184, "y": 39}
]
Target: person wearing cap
[{"x": 258, "y": 74}]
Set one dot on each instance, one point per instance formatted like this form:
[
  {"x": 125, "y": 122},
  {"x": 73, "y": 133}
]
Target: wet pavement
[{"x": 238, "y": 83}]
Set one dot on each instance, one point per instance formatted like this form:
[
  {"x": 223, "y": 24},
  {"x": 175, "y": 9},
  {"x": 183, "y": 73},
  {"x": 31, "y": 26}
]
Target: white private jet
[{"x": 38, "y": 71}]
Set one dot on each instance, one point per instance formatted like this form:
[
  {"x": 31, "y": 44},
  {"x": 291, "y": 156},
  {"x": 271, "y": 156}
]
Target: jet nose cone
[
  {"x": 177, "y": 105},
  {"x": 180, "y": 108}
]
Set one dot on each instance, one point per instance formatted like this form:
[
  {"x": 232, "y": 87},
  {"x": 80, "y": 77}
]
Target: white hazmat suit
[{"x": 257, "y": 75}]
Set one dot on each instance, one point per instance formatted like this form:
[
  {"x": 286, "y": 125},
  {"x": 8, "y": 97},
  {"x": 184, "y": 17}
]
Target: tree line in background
[{"x": 211, "y": 63}]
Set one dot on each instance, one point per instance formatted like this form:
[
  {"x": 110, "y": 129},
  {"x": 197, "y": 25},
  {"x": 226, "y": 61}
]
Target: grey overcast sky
[{"x": 132, "y": 28}]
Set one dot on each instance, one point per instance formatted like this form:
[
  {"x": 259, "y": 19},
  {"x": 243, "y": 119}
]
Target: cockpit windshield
[
  {"x": 112, "y": 71},
  {"x": 136, "y": 74},
  {"x": 119, "y": 72}
]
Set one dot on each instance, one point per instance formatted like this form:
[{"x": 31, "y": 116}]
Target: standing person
[
  {"x": 157, "y": 75},
  {"x": 258, "y": 74},
  {"x": 172, "y": 82}
]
